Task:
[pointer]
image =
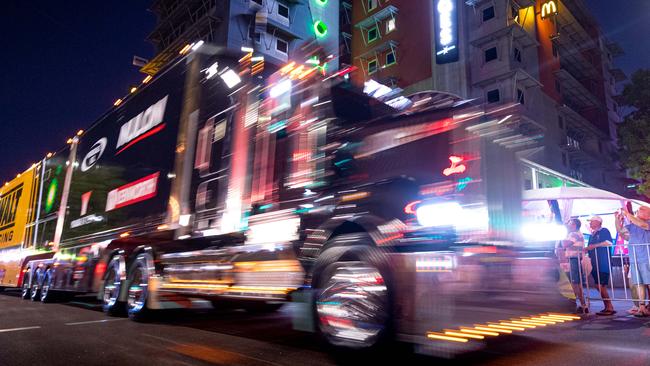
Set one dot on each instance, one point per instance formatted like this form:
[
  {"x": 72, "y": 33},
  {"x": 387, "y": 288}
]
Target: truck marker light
[
  {"x": 230, "y": 78},
  {"x": 197, "y": 45},
  {"x": 482, "y": 332},
  {"x": 124, "y": 235},
  {"x": 80, "y": 132},
  {"x": 147, "y": 79},
  {"x": 185, "y": 49},
  {"x": 465, "y": 335},
  {"x": 117, "y": 102}
]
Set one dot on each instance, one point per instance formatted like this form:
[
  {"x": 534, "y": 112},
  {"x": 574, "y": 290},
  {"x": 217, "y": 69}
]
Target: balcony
[
  {"x": 574, "y": 92},
  {"x": 575, "y": 62},
  {"x": 515, "y": 30}
]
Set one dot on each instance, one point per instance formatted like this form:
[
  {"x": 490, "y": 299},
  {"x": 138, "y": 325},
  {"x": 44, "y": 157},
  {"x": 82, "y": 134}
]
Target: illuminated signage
[
  {"x": 94, "y": 154},
  {"x": 446, "y": 32},
  {"x": 145, "y": 124},
  {"x": 456, "y": 167},
  {"x": 134, "y": 192},
  {"x": 548, "y": 9}
]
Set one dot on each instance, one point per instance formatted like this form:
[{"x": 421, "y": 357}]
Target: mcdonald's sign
[{"x": 549, "y": 8}]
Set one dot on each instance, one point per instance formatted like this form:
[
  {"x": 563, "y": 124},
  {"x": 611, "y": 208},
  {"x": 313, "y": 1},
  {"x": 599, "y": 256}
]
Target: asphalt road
[{"x": 78, "y": 333}]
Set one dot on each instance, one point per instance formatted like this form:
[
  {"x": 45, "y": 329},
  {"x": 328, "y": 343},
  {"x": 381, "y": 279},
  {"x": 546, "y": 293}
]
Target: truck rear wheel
[
  {"x": 47, "y": 294},
  {"x": 138, "y": 296},
  {"x": 26, "y": 286},
  {"x": 352, "y": 304},
  {"x": 35, "y": 292},
  {"x": 112, "y": 288}
]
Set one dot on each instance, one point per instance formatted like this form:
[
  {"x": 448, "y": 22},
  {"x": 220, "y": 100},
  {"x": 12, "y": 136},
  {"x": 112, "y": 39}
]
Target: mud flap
[{"x": 302, "y": 313}]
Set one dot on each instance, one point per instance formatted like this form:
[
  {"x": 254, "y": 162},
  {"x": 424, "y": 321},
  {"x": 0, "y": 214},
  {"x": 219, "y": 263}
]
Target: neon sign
[
  {"x": 456, "y": 167},
  {"x": 548, "y": 9},
  {"x": 446, "y": 32}
]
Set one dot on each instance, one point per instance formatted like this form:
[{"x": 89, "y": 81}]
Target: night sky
[{"x": 64, "y": 62}]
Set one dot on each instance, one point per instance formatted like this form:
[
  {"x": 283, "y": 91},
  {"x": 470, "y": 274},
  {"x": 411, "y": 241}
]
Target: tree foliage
[{"x": 634, "y": 132}]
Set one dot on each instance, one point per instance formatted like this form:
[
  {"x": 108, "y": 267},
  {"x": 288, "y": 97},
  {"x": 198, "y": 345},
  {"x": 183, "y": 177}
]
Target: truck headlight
[{"x": 439, "y": 214}]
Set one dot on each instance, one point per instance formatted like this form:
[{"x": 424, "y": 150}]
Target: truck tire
[
  {"x": 47, "y": 294},
  {"x": 138, "y": 290},
  {"x": 111, "y": 303},
  {"x": 26, "y": 286},
  {"x": 35, "y": 292},
  {"x": 362, "y": 321}
]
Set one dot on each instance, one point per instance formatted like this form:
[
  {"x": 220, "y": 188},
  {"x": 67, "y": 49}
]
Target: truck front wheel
[
  {"x": 35, "y": 292},
  {"x": 47, "y": 294},
  {"x": 352, "y": 303}
]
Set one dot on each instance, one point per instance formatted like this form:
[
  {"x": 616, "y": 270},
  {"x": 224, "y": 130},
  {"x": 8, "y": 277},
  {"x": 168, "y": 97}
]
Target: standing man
[
  {"x": 569, "y": 252},
  {"x": 598, "y": 249},
  {"x": 637, "y": 233}
]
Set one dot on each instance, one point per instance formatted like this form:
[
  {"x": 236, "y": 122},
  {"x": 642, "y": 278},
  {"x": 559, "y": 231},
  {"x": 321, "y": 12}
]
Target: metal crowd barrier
[{"x": 623, "y": 273}]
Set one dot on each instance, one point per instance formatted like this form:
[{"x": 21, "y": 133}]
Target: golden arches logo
[{"x": 548, "y": 9}]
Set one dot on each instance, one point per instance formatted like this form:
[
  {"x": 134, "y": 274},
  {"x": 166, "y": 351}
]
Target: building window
[
  {"x": 554, "y": 49},
  {"x": 283, "y": 10},
  {"x": 520, "y": 96},
  {"x": 373, "y": 34},
  {"x": 372, "y": 4},
  {"x": 372, "y": 66},
  {"x": 493, "y": 96},
  {"x": 565, "y": 161},
  {"x": 390, "y": 25},
  {"x": 560, "y": 122},
  {"x": 258, "y": 37},
  {"x": 390, "y": 58},
  {"x": 490, "y": 54},
  {"x": 488, "y": 13},
  {"x": 282, "y": 46},
  {"x": 517, "y": 54}
]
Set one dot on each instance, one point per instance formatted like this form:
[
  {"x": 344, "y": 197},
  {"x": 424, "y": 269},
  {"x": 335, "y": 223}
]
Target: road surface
[{"x": 78, "y": 333}]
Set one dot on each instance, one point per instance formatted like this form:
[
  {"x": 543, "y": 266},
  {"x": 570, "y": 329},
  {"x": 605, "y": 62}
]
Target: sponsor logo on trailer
[
  {"x": 137, "y": 191},
  {"x": 94, "y": 154},
  {"x": 145, "y": 124}
]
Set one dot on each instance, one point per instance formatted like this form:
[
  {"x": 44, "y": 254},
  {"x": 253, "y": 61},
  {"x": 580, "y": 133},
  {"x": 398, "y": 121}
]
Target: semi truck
[{"x": 380, "y": 217}]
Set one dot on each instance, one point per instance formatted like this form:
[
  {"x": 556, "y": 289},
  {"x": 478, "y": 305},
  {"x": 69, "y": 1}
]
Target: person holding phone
[{"x": 637, "y": 233}]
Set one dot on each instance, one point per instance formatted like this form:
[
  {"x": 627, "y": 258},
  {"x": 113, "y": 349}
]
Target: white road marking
[
  {"x": 94, "y": 321},
  {"x": 18, "y": 329}
]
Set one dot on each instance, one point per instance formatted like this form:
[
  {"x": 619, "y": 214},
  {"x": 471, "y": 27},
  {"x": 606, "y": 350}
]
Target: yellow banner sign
[{"x": 16, "y": 199}]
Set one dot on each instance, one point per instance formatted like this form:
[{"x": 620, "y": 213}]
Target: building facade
[
  {"x": 278, "y": 30},
  {"x": 549, "y": 56}
]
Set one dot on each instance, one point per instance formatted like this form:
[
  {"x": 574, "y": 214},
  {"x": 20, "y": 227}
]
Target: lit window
[
  {"x": 372, "y": 4},
  {"x": 490, "y": 54},
  {"x": 488, "y": 13},
  {"x": 372, "y": 66},
  {"x": 493, "y": 96},
  {"x": 390, "y": 25},
  {"x": 520, "y": 96},
  {"x": 373, "y": 34},
  {"x": 283, "y": 11},
  {"x": 282, "y": 46},
  {"x": 517, "y": 54},
  {"x": 390, "y": 58}
]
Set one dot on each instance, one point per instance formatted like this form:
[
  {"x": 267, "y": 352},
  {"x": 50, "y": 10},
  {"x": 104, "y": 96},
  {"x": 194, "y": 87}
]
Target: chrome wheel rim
[
  {"x": 111, "y": 289},
  {"x": 352, "y": 307},
  {"x": 137, "y": 290},
  {"x": 45, "y": 289},
  {"x": 25, "y": 292}
]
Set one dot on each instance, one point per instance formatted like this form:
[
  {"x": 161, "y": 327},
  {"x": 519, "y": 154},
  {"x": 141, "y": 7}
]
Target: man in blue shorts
[
  {"x": 599, "y": 243},
  {"x": 638, "y": 235}
]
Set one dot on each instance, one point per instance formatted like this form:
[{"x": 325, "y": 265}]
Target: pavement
[{"x": 78, "y": 333}]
